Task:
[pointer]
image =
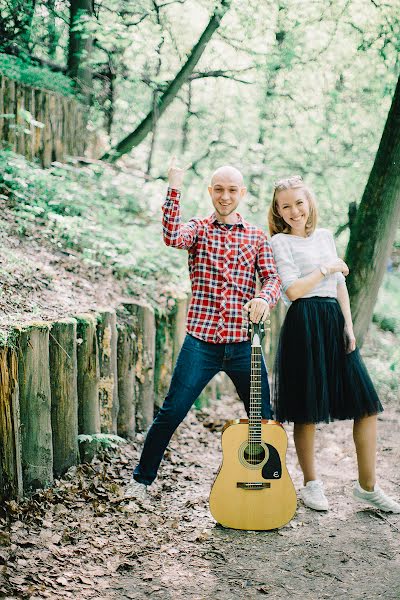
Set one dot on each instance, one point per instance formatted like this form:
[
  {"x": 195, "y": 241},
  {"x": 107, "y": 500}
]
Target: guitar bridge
[{"x": 256, "y": 485}]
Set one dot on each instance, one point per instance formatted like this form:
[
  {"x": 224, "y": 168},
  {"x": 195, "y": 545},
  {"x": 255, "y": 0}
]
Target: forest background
[{"x": 274, "y": 88}]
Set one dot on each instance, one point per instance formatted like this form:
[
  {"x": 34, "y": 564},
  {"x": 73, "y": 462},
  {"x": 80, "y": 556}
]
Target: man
[{"x": 224, "y": 253}]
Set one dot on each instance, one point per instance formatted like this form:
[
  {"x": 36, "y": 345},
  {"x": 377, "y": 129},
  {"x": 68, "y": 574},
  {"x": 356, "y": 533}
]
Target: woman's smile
[{"x": 294, "y": 209}]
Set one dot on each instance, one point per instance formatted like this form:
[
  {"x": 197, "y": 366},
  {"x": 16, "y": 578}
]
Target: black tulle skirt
[{"x": 314, "y": 379}]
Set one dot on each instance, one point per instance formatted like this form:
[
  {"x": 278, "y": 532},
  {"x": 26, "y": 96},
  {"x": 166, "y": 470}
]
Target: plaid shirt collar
[{"x": 213, "y": 219}]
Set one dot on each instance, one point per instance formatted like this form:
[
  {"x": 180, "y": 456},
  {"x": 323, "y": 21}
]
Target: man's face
[{"x": 226, "y": 191}]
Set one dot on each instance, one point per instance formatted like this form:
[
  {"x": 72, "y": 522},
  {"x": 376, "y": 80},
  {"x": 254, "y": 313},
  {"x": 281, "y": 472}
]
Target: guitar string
[
  {"x": 255, "y": 405},
  {"x": 252, "y": 410}
]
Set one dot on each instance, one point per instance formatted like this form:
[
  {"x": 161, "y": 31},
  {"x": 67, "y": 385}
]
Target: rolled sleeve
[
  {"x": 288, "y": 271},
  {"x": 268, "y": 274},
  {"x": 177, "y": 234},
  {"x": 340, "y": 279}
]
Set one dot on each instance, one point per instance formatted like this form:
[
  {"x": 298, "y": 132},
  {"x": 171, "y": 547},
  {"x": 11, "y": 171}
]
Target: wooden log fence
[
  {"x": 32, "y": 344},
  {"x": 10, "y": 441},
  {"x": 127, "y": 354},
  {"x": 64, "y": 394},
  {"x": 63, "y": 121},
  {"x": 145, "y": 361},
  {"x": 88, "y": 375},
  {"x": 108, "y": 382},
  {"x": 77, "y": 377}
]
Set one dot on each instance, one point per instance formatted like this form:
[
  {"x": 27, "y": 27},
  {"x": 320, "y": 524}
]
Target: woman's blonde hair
[{"x": 275, "y": 221}]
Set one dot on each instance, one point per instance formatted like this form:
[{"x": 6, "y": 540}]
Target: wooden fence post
[
  {"x": 126, "y": 366},
  {"x": 182, "y": 303},
  {"x": 163, "y": 355},
  {"x": 64, "y": 395},
  {"x": 108, "y": 384},
  {"x": 145, "y": 336},
  {"x": 170, "y": 333},
  {"x": 88, "y": 375},
  {"x": 10, "y": 444},
  {"x": 35, "y": 405}
]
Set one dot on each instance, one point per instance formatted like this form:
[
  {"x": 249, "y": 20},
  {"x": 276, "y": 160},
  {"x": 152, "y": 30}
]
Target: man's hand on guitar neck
[{"x": 258, "y": 310}]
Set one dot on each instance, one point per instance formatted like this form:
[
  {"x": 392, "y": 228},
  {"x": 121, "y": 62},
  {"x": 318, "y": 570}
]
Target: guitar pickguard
[{"x": 273, "y": 467}]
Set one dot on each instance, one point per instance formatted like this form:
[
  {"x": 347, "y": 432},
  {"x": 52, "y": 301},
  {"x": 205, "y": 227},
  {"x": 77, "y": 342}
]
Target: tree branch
[{"x": 144, "y": 128}]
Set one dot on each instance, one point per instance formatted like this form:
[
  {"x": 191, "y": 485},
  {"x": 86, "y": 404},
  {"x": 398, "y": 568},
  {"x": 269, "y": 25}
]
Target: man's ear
[
  {"x": 243, "y": 191},
  {"x": 210, "y": 190}
]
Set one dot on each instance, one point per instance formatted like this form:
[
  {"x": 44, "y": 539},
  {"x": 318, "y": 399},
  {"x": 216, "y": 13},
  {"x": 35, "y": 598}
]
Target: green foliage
[
  {"x": 98, "y": 444},
  {"x": 95, "y": 212},
  {"x": 4, "y": 336},
  {"x": 102, "y": 440},
  {"x": 32, "y": 75}
]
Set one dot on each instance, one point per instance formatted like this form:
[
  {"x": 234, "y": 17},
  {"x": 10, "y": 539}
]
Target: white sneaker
[
  {"x": 136, "y": 490},
  {"x": 313, "y": 495},
  {"x": 377, "y": 498}
]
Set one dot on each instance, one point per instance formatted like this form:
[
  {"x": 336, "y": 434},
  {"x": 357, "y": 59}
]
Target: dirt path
[{"x": 81, "y": 539}]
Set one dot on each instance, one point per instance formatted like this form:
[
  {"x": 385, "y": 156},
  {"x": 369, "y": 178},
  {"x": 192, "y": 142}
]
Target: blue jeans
[{"x": 197, "y": 364}]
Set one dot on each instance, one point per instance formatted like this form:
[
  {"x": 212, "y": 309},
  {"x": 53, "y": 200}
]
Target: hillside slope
[{"x": 74, "y": 239}]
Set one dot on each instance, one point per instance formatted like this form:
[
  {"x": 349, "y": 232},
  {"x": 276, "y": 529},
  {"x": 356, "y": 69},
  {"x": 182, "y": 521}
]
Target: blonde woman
[{"x": 319, "y": 374}]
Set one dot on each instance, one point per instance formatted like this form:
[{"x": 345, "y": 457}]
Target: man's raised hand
[{"x": 176, "y": 175}]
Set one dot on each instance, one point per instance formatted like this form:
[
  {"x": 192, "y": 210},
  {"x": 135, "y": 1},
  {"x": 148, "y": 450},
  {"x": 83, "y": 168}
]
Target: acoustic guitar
[{"x": 253, "y": 489}]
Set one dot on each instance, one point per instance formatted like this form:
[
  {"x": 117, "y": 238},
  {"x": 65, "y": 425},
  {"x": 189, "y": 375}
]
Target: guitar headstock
[{"x": 256, "y": 329}]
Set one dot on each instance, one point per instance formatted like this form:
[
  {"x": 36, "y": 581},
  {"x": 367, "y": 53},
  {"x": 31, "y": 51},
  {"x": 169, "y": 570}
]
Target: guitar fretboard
[{"x": 255, "y": 396}]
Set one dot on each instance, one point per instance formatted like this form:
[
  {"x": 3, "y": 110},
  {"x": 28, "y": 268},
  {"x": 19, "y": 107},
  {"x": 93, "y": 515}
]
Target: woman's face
[{"x": 294, "y": 209}]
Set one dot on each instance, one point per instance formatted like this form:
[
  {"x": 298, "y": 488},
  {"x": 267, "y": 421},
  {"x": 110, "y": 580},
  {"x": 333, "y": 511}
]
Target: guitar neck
[{"x": 255, "y": 396}]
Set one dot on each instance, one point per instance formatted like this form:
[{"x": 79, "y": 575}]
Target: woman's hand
[
  {"x": 339, "y": 266},
  {"x": 349, "y": 339}
]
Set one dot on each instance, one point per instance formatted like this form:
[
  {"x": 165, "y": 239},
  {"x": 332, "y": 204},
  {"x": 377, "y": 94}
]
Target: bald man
[{"x": 225, "y": 253}]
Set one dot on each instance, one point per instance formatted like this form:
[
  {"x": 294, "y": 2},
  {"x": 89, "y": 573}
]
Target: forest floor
[{"x": 81, "y": 539}]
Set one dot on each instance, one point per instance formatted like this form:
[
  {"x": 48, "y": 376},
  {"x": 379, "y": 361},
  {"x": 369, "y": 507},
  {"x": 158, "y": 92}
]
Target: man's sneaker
[
  {"x": 136, "y": 490},
  {"x": 313, "y": 495},
  {"x": 377, "y": 498}
]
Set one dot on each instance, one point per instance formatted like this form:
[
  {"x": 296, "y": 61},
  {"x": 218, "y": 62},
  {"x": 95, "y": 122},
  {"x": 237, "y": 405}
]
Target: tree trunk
[
  {"x": 53, "y": 32},
  {"x": 145, "y": 339},
  {"x": 88, "y": 375},
  {"x": 108, "y": 384},
  {"x": 35, "y": 405},
  {"x": 27, "y": 10},
  {"x": 10, "y": 445},
  {"x": 64, "y": 395},
  {"x": 127, "y": 358},
  {"x": 374, "y": 229},
  {"x": 80, "y": 48},
  {"x": 164, "y": 100}
]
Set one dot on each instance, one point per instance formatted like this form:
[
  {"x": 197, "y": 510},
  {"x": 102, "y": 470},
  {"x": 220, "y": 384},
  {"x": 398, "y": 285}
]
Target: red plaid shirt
[{"x": 223, "y": 262}]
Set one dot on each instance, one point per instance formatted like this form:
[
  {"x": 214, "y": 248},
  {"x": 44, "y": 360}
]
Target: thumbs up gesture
[{"x": 176, "y": 175}]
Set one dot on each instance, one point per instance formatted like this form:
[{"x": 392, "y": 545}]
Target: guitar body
[{"x": 253, "y": 489}]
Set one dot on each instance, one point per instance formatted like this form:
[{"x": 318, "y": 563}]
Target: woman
[{"x": 319, "y": 374}]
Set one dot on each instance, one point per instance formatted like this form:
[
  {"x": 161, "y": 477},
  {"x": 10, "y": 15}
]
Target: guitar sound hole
[{"x": 254, "y": 454}]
